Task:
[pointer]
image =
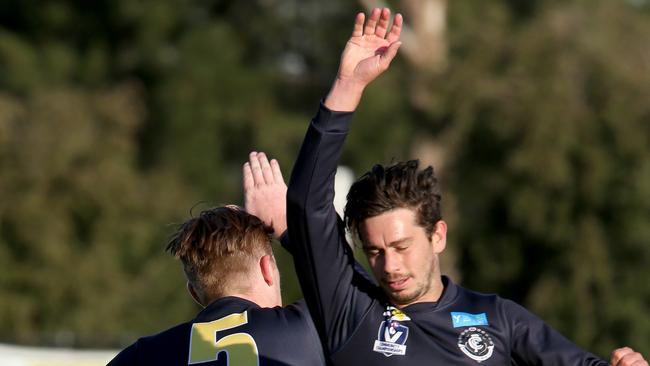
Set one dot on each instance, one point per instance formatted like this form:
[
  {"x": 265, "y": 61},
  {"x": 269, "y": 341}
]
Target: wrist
[
  {"x": 279, "y": 227},
  {"x": 344, "y": 96}
]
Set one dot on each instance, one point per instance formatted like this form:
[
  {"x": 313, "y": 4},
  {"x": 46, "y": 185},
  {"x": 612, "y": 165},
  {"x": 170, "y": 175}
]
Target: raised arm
[{"x": 336, "y": 293}]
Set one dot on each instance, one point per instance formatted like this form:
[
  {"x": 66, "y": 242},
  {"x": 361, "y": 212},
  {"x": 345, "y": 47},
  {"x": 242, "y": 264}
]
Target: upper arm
[{"x": 324, "y": 261}]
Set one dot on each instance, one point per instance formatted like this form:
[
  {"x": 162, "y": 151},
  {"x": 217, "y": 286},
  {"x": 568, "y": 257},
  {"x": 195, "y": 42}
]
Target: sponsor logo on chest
[{"x": 392, "y": 334}]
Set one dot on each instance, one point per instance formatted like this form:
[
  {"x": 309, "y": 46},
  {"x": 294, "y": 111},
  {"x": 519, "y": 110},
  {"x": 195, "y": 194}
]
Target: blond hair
[{"x": 219, "y": 248}]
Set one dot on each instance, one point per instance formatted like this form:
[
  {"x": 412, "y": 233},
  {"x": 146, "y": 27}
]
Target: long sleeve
[{"x": 338, "y": 296}]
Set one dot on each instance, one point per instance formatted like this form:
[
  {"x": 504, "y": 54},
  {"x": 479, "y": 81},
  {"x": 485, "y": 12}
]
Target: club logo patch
[
  {"x": 392, "y": 335},
  {"x": 476, "y": 344}
]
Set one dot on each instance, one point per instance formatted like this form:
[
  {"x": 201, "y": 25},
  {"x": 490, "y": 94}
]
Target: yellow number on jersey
[{"x": 240, "y": 348}]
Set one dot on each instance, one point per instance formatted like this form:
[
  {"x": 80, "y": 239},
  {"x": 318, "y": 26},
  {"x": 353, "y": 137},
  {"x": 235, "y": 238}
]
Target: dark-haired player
[
  {"x": 415, "y": 316},
  {"x": 231, "y": 272}
]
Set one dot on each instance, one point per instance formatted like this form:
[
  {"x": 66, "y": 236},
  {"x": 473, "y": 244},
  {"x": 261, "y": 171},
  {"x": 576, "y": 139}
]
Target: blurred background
[{"x": 119, "y": 118}]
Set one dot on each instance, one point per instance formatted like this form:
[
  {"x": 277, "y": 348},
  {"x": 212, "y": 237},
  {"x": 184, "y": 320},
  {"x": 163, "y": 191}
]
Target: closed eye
[
  {"x": 371, "y": 252},
  {"x": 401, "y": 245}
]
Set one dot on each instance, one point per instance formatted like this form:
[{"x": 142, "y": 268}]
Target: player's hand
[
  {"x": 371, "y": 48},
  {"x": 626, "y": 356},
  {"x": 367, "y": 54},
  {"x": 265, "y": 193}
]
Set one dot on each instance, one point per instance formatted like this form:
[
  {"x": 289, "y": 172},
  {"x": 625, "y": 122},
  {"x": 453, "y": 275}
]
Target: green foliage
[
  {"x": 550, "y": 144},
  {"x": 117, "y": 117},
  {"x": 115, "y": 120},
  {"x": 77, "y": 217}
]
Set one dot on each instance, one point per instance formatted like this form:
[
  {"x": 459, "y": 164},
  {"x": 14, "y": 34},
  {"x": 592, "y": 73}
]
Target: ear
[
  {"x": 194, "y": 294},
  {"x": 267, "y": 266},
  {"x": 439, "y": 237}
]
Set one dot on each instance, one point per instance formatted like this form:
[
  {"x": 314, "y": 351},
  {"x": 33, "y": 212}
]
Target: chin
[
  {"x": 404, "y": 297},
  {"x": 401, "y": 298}
]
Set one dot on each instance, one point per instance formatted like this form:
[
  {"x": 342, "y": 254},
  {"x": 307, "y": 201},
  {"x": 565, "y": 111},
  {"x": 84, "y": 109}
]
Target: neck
[
  {"x": 244, "y": 296},
  {"x": 255, "y": 289}
]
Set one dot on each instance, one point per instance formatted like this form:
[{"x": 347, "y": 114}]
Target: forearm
[
  {"x": 323, "y": 259},
  {"x": 344, "y": 96}
]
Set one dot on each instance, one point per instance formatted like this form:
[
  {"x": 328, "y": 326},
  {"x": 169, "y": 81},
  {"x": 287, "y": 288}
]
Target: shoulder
[
  {"x": 504, "y": 312},
  {"x": 295, "y": 315},
  {"x": 293, "y": 323},
  {"x": 506, "y": 305},
  {"x": 127, "y": 356},
  {"x": 157, "y": 346},
  {"x": 170, "y": 335},
  {"x": 286, "y": 333},
  {"x": 478, "y": 298},
  {"x": 298, "y": 308}
]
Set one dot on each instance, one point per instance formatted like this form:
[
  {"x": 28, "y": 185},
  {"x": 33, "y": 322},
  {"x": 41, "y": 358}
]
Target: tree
[{"x": 550, "y": 143}]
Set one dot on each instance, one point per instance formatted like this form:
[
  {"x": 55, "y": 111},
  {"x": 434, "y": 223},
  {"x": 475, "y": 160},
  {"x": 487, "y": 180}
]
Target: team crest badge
[
  {"x": 476, "y": 344},
  {"x": 392, "y": 335}
]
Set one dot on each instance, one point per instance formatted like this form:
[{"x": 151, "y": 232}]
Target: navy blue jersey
[
  {"x": 236, "y": 332},
  {"x": 356, "y": 323}
]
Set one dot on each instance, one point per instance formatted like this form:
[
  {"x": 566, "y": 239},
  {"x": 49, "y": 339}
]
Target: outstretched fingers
[
  {"x": 371, "y": 24},
  {"x": 382, "y": 24},
  {"x": 267, "y": 172},
  {"x": 396, "y": 29},
  {"x": 247, "y": 177},
  {"x": 277, "y": 173},
  {"x": 357, "y": 31},
  {"x": 256, "y": 169}
]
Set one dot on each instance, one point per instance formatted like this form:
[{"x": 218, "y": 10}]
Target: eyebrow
[
  {"x": 391, "y": 244},
  {"x": 400, "y": 241}
]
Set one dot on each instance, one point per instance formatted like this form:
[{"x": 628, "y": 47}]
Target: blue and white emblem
[
  {"x": 476, "y": 344},
  {"x": 392, "y": 335}
]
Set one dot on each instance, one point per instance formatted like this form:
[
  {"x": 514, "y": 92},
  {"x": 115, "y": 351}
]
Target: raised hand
[
  {"x": 265, "y": 191},
  {"x": 367, "y": 54},
  {"x": 371, "y": 48}
]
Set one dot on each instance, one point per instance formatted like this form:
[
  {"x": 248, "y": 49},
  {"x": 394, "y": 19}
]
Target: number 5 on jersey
[{"x": 205, "y": 345}]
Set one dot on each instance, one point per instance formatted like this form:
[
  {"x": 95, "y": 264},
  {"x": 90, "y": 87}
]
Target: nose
[{"x": 391, "y": 262}]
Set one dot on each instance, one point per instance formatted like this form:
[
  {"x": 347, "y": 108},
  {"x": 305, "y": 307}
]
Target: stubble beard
[
  {"x": 421, "y": 289},
  {"x": 403, "y": 298}
]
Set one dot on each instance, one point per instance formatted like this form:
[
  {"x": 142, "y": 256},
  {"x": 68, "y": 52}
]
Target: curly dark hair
[{"x": 401, "y": 185}]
